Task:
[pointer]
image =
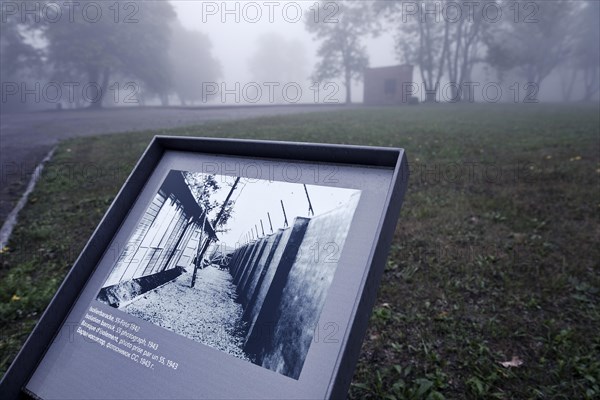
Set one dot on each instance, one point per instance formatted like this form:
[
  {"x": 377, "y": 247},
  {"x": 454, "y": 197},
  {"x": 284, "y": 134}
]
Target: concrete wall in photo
[{"x": 282, "y": 282}]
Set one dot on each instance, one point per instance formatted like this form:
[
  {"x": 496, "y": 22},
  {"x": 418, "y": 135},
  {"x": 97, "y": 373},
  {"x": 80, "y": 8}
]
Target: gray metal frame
[{"x": 50, "y": 322}]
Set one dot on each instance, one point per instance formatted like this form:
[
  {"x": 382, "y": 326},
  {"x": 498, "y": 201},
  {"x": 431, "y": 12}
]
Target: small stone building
[{"x": 388, "y": 85}]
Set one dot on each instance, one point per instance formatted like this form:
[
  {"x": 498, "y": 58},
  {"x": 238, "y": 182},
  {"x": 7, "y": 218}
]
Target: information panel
[{"x": 229, "y": 277}]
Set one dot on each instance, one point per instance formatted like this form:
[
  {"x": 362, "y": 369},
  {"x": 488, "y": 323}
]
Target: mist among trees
[
  {"x": 140, "y": 53},
  {"x": 104, "y": 52}
]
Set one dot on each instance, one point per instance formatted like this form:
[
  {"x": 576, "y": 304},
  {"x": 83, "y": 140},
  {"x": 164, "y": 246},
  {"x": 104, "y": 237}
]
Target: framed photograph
[{"x": 223, "y": 269}]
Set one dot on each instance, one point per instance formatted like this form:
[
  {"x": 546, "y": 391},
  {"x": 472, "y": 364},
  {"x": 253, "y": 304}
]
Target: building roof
[
  {"x": 391, "y": 67},
  {"x": 175, "y": 183}
]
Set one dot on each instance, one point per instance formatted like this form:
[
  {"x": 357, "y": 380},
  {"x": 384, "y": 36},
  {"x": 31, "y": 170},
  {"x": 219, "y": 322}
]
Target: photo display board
[{"x": 229, "y": 276}]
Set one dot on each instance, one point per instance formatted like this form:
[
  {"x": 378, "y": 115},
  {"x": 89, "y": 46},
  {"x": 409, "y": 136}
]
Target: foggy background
[{"x": 63, "y": 55}]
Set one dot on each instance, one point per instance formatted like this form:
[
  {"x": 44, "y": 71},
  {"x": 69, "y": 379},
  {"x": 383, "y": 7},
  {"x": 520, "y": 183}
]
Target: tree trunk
[
  {"x": 430, "y": 95},
  {"x": 182, "y": 100},
  {"x": 96, "y": 102},
  {"x": 567, "y": 80},
  {"x": 590, "y": 81},
  {"x": 348, "y": 83},
  {"x": 454, "y": 92}
]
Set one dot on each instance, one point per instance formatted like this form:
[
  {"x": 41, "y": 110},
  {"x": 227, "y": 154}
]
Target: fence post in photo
[
  {"x": 285, "y": 221},
  {"x": 311, "y": 212},
  {"x": 270, "y": 223}
]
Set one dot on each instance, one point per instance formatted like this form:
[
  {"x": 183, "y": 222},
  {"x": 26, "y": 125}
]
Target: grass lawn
[{"x": 496, "y": 254}]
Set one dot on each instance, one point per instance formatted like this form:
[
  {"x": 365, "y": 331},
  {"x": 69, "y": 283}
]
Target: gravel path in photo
[{"x": 207, "y": 313}]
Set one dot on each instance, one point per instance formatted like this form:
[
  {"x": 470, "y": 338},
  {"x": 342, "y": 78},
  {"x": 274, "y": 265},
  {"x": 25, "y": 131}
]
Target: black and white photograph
[{"x": 241, "y": 265}]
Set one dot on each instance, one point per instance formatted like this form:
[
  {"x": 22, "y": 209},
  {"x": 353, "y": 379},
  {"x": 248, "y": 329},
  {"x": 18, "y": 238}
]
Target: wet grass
[{"x": 496, "y": 254}]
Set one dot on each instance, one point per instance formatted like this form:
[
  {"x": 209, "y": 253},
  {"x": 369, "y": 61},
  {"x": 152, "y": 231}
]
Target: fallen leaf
[{"x": 515, "y": 362}]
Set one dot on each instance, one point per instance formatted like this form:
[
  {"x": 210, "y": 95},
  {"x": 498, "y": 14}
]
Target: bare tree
[
  {"x": 586, "y": 51},
  {"x": 535, "y": 46},
  {"x": 423, "y": 39},
  {"x": 341, "y": 30},
  {"x": 192, "y": 63},
  {"x": 105, "y": 48},
  {"x": 466, "y": 31},
  {"x": 19, "y": 59}
]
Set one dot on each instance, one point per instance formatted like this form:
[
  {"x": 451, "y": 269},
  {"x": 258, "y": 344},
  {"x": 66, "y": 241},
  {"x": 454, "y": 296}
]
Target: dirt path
[{"x": 207, "y": 313}]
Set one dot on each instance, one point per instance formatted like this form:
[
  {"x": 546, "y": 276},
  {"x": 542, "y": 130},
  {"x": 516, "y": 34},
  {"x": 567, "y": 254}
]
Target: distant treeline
[{"x": 90, "y": 53}]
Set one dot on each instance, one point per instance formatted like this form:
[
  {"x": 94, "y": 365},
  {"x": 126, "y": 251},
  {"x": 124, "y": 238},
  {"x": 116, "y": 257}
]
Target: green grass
[{"x": 496, "y": 254}]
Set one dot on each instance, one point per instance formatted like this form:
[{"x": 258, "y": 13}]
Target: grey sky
[{"x": 235, "y": 42}]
